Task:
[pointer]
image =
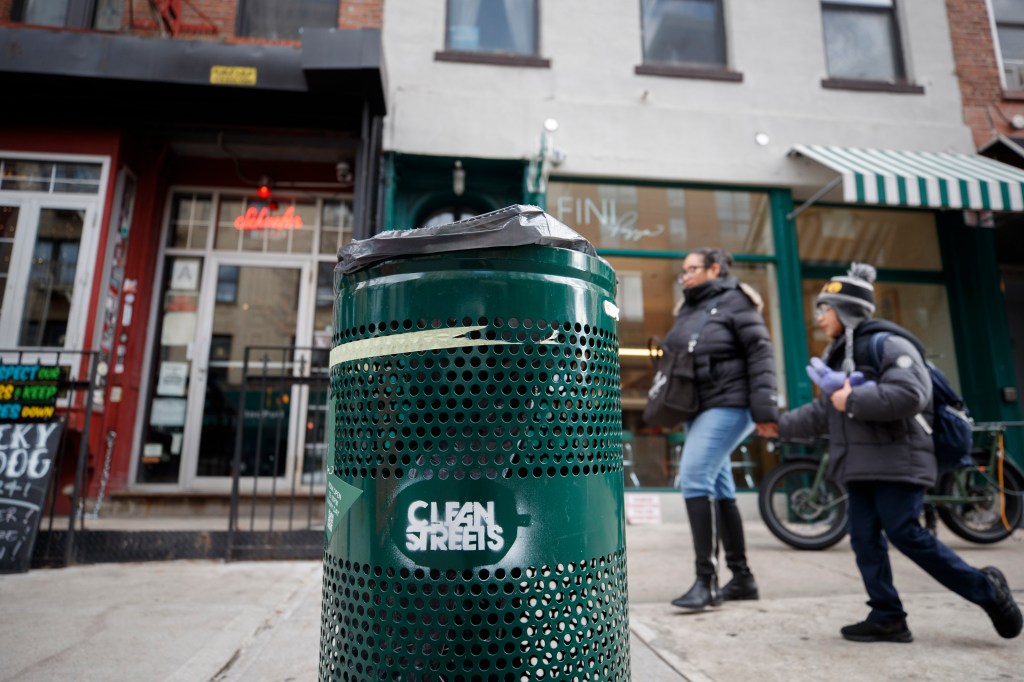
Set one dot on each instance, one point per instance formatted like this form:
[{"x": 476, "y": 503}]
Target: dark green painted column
[
  {"x": 794, "y": 330},
  {"x": 980, "y": 327},
  {"x": 418, "y": 184}
]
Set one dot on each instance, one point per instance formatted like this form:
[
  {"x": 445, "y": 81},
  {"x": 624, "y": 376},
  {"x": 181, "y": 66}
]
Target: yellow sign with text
[{"x": 233, "y": 75}]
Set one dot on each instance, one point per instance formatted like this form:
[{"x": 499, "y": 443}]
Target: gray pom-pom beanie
[{"x": 852, "y": 296}]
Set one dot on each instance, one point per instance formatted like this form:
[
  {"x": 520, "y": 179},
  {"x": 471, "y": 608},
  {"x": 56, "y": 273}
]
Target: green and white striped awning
[{"x": 921, "y": 179}]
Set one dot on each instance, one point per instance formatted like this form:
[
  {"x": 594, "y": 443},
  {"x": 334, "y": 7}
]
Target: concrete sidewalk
[{"x": 259, "y": 621}]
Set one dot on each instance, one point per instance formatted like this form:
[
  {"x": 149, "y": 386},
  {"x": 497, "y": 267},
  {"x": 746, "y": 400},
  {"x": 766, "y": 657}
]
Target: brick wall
[
  {"x": 216, "y": 19},
  {"x": 987, "y": 108},
  {"x": 361, "y": 14}
]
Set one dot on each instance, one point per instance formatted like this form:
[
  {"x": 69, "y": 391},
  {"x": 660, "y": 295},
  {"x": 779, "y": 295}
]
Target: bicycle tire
[
  {"x": 982, "y": 523},
  {"x": 783, "y": 502}
]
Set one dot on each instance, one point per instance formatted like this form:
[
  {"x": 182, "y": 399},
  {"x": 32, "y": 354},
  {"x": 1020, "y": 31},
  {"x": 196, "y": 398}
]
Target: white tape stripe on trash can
[{"x": 415, "y": 342}]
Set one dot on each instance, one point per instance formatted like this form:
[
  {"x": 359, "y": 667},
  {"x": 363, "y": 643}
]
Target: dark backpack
[{"x": 952, "y": 424}]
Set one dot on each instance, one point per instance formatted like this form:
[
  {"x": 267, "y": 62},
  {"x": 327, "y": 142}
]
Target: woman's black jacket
[{"x": 733, "y": 356}]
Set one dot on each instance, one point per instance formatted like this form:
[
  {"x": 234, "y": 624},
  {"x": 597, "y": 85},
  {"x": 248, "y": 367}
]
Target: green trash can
[{"x": 475, "y": 447}]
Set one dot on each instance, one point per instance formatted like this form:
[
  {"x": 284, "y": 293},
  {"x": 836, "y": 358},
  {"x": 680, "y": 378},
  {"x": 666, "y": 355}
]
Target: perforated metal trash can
[{"x": 476, "y": 405}]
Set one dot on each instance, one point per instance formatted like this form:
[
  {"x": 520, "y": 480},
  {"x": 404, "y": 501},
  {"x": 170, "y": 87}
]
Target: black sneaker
[
  {"x": 869, "y": 631},
  {"x": 1004, "y": 612}
]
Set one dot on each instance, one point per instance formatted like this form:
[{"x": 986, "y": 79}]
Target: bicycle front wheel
[
  {"x": 800, "y": 513},
  {"x": 979, "y": 517}
]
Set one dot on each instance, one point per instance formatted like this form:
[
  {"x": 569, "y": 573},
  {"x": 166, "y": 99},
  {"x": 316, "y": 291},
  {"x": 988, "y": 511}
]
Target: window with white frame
[
  {"x": 48, "y": 236},
  {"x": 684, "y": 33},
  {"x": 507, "y": 27},
  {"x": 862, "y": 40},
  {"x": 1009, "y": 18}
]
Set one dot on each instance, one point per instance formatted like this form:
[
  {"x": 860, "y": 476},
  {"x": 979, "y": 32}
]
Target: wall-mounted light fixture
[
  {"x": 343, "y": 172},
  {"x": 458, "y": 179},
  {"x": 264, "y": 191}
]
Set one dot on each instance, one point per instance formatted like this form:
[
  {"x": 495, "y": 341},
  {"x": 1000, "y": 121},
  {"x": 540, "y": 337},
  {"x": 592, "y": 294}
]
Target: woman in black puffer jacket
[{"x": 735, "y": 371}]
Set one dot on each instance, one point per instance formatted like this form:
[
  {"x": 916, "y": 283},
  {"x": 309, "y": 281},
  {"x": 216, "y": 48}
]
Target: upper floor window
[
  {"x": 862, "y": 40},
  {"x": 276, "y": 20},
  {"x": 492, "y": 26},
  {"x": 683, "y": 32},
  {"x": 72, "y": 13},
  {"x": 1009, "y": 16}
]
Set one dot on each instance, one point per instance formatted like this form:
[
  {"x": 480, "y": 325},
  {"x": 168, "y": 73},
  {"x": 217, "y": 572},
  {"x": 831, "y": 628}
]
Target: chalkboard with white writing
[{"x": 26, "y": 466}]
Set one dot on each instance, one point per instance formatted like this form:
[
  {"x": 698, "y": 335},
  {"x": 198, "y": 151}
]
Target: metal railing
[{"x": 269, "y": 371}]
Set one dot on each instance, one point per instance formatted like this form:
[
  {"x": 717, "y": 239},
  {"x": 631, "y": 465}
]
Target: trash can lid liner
[{"x": 516, "y": 225}]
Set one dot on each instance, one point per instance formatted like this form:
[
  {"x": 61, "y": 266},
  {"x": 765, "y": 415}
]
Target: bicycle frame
[
  {"x": 980, "y": 502},
  {"x": 994, "y": 432}
]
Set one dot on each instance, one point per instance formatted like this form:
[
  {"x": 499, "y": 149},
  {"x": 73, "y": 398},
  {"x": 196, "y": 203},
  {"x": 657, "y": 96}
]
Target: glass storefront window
[
  {"x": 922, "y": 308},
  {"x": 8, "y": 230},
  {"x": 265, "y": 226},
  {"x": 336, "y": 226},
  {"x": 51, "y": 279},
  {"x": 29, "y": 175},
  {"x": 190, "y": 221},
  {"x": 648, "y": 297},
  {"x": 904, "y": 240},
  {"x": 616, "y": 216},
  {"x": 163, "y": 434}
]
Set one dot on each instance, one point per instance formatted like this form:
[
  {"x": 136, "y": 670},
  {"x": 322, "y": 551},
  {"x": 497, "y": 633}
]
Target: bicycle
[{"x": 980, "y": 503}]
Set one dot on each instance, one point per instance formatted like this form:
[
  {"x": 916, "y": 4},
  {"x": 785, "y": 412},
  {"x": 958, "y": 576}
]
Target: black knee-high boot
[
  {"x": 703, "y": 525},
  {"x": 742, "y": 585}
]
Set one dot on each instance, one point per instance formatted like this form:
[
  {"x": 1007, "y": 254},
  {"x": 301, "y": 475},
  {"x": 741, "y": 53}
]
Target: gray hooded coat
[{"x": 879, "y": 437}]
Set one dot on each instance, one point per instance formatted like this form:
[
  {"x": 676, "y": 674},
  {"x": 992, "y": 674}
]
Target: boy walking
[{"x": 885, "y": 456}]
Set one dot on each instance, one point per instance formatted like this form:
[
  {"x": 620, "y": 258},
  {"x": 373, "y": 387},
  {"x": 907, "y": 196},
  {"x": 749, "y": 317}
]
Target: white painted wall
[{"x": 614, "y": 123}]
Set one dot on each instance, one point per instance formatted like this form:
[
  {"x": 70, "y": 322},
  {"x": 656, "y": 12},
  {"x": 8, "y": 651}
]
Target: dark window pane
[
  {"x": 862, "y": 3},
  {"x": 227, "y": 284},
  {"x": 108, "y": 15},
  {"x": 45, "y": 12},
  {"x": 51, "y": 281},
  {"x": 1011, "y": 42},
  {"x": 506, "y": 26},
  {"x": 861, "y": 45},
  {"x": 278, "y": 20},
  {"x": 683, "y": 32},
  {"x": 1008, "y": 10}
]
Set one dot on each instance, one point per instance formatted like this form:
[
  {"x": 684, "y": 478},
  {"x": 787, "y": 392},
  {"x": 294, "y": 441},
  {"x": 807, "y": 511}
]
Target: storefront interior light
[
  {"x": 636, "y": 352},
  {"x": 458, "y": 179},
  {"x": 263, "y": 192}
]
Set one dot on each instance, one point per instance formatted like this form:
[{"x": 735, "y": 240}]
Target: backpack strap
[
  {"x": 875, "y": 349},
  {"x": 875, "y": 352}
]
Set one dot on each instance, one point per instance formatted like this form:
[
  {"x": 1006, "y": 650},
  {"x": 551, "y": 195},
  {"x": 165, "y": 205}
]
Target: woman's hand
[{"x": 768, "y": 430}]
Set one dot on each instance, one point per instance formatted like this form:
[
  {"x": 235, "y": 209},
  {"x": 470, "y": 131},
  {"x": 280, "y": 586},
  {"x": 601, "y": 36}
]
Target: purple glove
[{"x": 831, "y": 379}]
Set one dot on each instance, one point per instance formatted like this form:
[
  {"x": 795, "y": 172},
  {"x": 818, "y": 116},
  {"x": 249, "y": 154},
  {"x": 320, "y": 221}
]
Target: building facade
[
  {"x": 800, "y": 136},
  {"x": 176, "y": 189},
  {"x": 175, "y": 192},
  {"x": 988, "y": 36}
]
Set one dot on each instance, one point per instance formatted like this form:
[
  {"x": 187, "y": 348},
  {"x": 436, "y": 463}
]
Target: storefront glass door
[
  {"x": 212, "y": 310},
  {"x": 229, "y": 284},
  {"x": 253, "y": 305}
]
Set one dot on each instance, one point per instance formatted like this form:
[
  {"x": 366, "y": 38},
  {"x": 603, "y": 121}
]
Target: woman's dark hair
[{"x": 712, "y": 256}]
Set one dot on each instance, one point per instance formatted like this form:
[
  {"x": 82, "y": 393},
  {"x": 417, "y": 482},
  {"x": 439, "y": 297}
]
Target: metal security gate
[{"x": 281, "y": 431}]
